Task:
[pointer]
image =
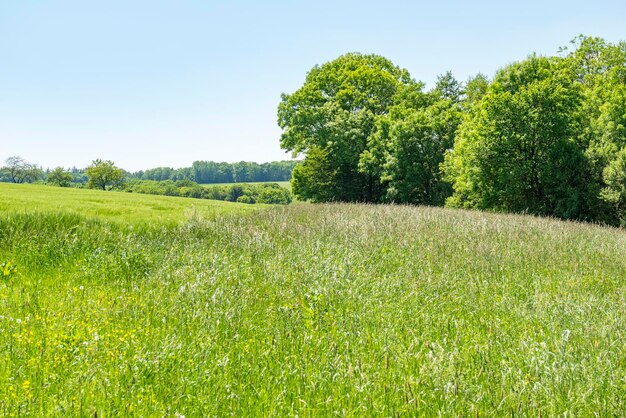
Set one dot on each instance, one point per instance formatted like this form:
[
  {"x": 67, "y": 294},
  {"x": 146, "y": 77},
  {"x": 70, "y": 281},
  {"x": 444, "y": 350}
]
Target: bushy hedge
[{"x": 269, "y": 193}]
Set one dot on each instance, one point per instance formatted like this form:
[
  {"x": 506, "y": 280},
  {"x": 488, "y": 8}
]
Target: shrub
[
  {"x": 245, "y": 199},
  {"x": 271, "y": 195}
]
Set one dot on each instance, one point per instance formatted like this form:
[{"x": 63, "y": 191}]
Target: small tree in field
[
  {"x": 102, "y": 174},
  {"x": 20, "y": 171},
  {"x": 60, "y": 177}
]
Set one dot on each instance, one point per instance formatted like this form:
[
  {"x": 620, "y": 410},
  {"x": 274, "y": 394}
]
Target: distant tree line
[
  {"x": 544, "y": 136},
  {"x": 205, "y": 172},
  {"x": 103, "y": 174},
  {"x": 17, "y": 170}
]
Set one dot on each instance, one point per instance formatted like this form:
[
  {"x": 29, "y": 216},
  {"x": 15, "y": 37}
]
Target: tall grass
[{"x": 344, "y": 310}]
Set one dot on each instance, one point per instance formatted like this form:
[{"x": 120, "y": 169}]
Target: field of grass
[
  {"x": 349, "y": 310},
  {"x": 127, "y": 208}
]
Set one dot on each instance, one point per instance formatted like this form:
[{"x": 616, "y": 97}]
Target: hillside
[
  {"x": 354, "y": 310},
  {"x": 126, "y": 208}
]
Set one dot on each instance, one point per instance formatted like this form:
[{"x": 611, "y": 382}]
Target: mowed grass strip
[
  {"x": 348, "y": 310},
  {"x": 121, "y": 207}
]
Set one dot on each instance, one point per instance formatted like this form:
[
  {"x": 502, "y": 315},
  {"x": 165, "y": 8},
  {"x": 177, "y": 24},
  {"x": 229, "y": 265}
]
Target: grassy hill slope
[
  {"x": 311, "y": 310},
  {"x": 121, "y": 207}
]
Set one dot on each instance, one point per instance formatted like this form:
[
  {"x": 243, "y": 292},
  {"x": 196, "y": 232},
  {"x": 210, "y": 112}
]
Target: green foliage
[
  {"x": 274, "y": 196},
  {"x": 418, "y": 145},
  {"x": 330, "y": 118},
  {"x": 211, "y": 172},
  {"x": 17, "y": 170},
  {"x": 103, "y": 174},
  {"x": 518, "y": 150},
  {"x": 207, "y": 172},
  {"x": 157, "y": 174},
  {"x": 409, "y": 144},
  {"x": 245, "y": 199},
  {"x": 369, "y": 132},
  {"x": 544, "y": 137},
  {"x": 79, "y": 178},
  {"x": 601, "y": 68},
  {"x": 235, "y": 192},
  {"x": 60, "y": 177},
  {"x": 314, "y": 178},
  {"x": 183, "y": 188},
  {"x": 270, "y": 193},
  {"x": 475, "y": 88},
  {"x": 448, "y": 88},
  {"x": 614, "y": 192}
]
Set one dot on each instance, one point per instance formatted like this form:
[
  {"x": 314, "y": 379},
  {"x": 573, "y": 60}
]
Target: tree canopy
[
  {"x": 330, "y": 119},
  {"x": 60, "y": 177},
  {"x": 546, "y": 135},
  {"x": 519, "y": 149},
  {"x": 103, "y": 174}
]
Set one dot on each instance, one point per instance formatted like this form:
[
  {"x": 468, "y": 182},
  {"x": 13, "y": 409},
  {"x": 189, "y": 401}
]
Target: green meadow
[
  {"x": 119, "y": 207},
  {"x": 139, "y": 305}
]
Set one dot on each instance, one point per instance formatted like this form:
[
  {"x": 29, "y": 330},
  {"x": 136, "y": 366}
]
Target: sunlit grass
[
  {"x": 128, "y": 208},
  {"x": 347, "y": 310}
]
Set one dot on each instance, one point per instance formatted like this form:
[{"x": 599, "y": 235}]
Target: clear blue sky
[{"x": 163, "y": 83}]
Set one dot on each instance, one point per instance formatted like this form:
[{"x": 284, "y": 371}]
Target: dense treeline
[
  {"x": 544, "y": 136},
  {"x": 270, "y": 193},
  {"x": 17, "y": 170},
  {"x": 205, "y": 172}
]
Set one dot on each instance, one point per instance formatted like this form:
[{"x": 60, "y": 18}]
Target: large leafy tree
[
  {"x": 409, "y": 143},
  {"x": 600, "y": 68},
  {"x": 418, "y": 144},
  {"x": 519, "y": 148},
  {"x": 314, "y": 178},
  {"x": 103, "y": 174},
  {"x": 329, "y": 120}
]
